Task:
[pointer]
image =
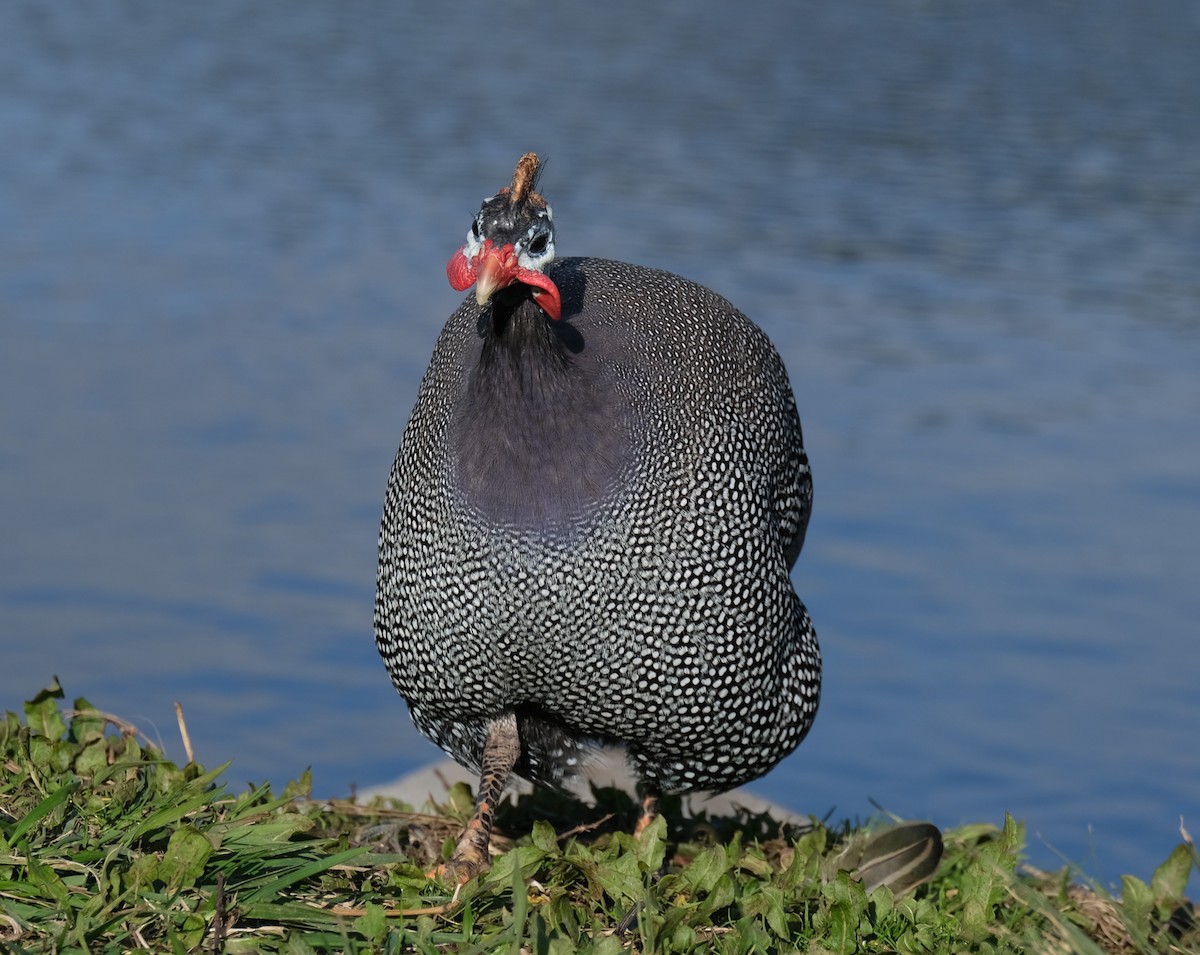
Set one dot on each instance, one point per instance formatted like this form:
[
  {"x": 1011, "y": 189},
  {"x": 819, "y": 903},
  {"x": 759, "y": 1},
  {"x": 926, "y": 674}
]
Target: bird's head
[{"x": 510, "y": 241}]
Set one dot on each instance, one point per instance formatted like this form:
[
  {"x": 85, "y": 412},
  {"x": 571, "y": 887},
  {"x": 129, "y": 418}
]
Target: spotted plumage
[{"x": 590, "y": 523}]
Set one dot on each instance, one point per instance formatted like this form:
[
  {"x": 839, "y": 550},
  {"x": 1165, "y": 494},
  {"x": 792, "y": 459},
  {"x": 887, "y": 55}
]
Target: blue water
[{"x": 972, "y": 230}]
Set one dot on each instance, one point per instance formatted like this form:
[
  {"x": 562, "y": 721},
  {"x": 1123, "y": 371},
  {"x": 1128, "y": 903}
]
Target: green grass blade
[{"x": 300, "y": 873}]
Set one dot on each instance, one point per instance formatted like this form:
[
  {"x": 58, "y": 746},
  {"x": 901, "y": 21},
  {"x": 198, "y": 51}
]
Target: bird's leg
[
  {"x": 500, "y": 753},
  {"x": 650, "y": 795}
]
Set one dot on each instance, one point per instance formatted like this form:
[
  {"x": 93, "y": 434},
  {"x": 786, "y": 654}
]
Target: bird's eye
[
  {"x": 475, "y": 228},
  {"x": 538, "y": 245}
]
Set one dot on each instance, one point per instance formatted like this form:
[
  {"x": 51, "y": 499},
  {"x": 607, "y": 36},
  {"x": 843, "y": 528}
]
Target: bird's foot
[
  {"x": 470, "y": 855},
  {"x": 458, "y": 871}
]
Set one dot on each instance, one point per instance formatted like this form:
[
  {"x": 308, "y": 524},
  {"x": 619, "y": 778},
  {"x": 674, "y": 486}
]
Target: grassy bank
[{"x": 107, "y": 847}]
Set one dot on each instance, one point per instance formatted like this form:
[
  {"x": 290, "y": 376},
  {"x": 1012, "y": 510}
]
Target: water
[{"x": 973, "y": 232}]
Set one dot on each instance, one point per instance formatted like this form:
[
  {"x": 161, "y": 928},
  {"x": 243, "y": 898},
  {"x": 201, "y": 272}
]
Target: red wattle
[
  {"x": 460, "y": 272},
  {"x": 545, "y": 291}
]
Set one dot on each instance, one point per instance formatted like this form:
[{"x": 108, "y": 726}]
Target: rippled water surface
[{"x": 973, "y": 232}]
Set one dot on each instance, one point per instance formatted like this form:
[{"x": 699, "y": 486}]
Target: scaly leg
[{"x": 500, "y": 754}]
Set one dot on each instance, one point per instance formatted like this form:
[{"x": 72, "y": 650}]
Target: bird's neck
[
  {"x": 541, "y": 438},
  {"x": 522, "y": 354}
]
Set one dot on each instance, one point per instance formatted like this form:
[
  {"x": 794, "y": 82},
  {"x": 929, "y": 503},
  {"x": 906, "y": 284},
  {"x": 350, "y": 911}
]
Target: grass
[{"x": 105, "y": 846}]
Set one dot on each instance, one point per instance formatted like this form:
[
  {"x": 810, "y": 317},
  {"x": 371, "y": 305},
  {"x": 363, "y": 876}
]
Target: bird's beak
[{"x": 497, "y": 269}]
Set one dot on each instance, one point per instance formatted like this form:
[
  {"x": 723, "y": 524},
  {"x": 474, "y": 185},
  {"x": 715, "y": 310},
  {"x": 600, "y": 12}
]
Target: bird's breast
[{"x": 538, "y": 454}]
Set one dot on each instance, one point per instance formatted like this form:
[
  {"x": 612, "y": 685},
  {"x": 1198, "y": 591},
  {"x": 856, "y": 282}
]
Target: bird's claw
[{"x": 458, "y": 871}]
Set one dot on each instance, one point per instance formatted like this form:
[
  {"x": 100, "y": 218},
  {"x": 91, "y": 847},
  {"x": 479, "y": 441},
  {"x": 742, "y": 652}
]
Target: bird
[{"x": 590, "y": 525}]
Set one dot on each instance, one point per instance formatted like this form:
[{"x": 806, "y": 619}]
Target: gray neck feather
[{"x": 542, "y": 438}]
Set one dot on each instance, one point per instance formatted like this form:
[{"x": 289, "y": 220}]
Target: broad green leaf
[
  {"x": 92, "y": 758},
  {"x": 805, "y": 865},
  {"x": 87, "y": 724},
  {"x": 720, "y": 896},
  {"x": 544, "y": 837},
  {"x": 683, "y": 938},
  {"x": 373, "y": 922},
  {"x": 751, "y": 937},
  {"x": 1138, "y": 902},
  {"x": 756, "y": 866},
  {"x": 42, "y": 714},
  {"x": 606, "y": 945},
  {"x": 49, "y": 756},
  {"x": 841, "y": 928},
  {"x": 1012, "y": 840},
  {"x": 882, "y": 903},
  {"x": 1171, "y": 878},
  {"x": 767, "y": 902},
  {"x": 706, "y": 869},
  {"x": 651, "y": 845},
  {"x": 621, "y": 878},
  {"x": 500, "y": 875},
  {"x": 300, "y": 788},
  {"x": 187, "y": 853},
  {"x": 144, "y": 870}
]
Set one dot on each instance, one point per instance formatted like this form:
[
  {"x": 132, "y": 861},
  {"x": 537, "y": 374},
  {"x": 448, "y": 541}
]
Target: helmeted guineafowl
[{"x": 590, "y": 524}]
